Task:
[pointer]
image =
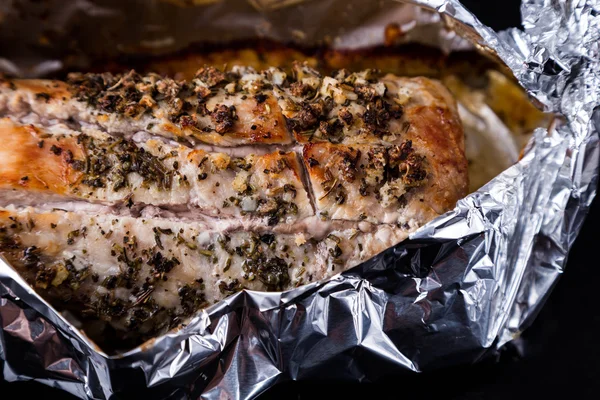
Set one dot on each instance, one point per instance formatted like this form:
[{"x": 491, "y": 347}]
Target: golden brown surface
[
  {"x": 257, "y": 123},
  {"x": 424, "y": 174},
  {"x": 29, "y": 163},
  {"x": 437, "y": 133},
  {"x": 50, "y": 91}
]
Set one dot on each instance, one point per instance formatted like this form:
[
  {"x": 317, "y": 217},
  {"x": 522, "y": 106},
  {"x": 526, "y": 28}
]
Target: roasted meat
[{"x": 138, "y": 200}]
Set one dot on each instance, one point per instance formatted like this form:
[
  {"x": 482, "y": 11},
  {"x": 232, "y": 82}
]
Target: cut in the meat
[
  {"x": 97, "y": 167},
  {"x": 145, "y": 275}
]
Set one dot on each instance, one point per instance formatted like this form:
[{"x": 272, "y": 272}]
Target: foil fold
[{"x": 460, "y": 287}]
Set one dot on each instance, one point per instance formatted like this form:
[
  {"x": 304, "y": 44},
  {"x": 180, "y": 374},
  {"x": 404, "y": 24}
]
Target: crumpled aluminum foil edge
[{"x": 468, "y": 282}]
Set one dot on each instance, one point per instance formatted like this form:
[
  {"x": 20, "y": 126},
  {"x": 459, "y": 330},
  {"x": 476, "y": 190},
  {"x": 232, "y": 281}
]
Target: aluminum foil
[{"x": 463, "y": 285}]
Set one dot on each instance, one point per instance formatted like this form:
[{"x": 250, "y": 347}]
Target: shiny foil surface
[{"x": 463, "y": 285}]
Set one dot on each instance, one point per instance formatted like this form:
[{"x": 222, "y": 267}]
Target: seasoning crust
[{"x": 138, "y": 199}]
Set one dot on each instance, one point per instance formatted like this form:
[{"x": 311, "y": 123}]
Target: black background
[{"x": 563, "y": 343}]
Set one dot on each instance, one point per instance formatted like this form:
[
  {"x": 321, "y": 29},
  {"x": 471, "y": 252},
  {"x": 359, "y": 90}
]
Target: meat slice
[
  {"x": 96, "y": 167},
  {"x": 214, "y": 108},
  {"x": 145, "y": 275},
  {"x": 395, "y": 184},
  {"x": 369, "y": 183},
  {"x": 240, "y": 107},
  {"x": 364, "y": 107}
]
